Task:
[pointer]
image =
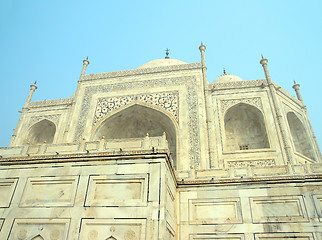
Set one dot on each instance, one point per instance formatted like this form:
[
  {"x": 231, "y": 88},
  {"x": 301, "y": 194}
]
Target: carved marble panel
[
  {"x": 50, "y": 191},
  {"x": 7, "y": 189},
  {"x": 215, "y": 211},
  {"x": 318, "y": 205},
  {"x": 111, "y": 229},
  {"x": 117, "y": 190},
  {"x": 219, "y": 236},
  {"x": 284, "y": 236},
  {"x": 166, "y": 100},
  {"x": 48, "y": 229},
  {"x": 278, "y": 209}
]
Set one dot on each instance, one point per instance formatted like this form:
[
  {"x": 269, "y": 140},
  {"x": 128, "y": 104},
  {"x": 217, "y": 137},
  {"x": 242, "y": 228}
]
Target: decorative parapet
[
  {"x": 139, "y": 71},
  {"x": 104, "y": 145},
  {"x": 252, "y": 83},
  {"x": 247, "y": 172},
  {"x": 239, "y": 84},
  {"x": 53, "y": 102}
]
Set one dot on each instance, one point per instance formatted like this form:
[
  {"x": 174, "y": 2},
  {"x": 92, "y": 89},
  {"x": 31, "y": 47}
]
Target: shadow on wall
[
  {"x": 245, "y": 128},
  {"x": 135, "y": 122},
  {"x": 300, "y": 137},
  {"x": 43, "y": 131}
]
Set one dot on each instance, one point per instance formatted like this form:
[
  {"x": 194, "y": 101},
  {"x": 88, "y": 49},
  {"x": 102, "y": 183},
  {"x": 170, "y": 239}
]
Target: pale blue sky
[{"x": 46, "y": 41}]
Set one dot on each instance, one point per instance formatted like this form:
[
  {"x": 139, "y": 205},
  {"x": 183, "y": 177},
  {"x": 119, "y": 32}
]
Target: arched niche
[
  {"x": 245, "y": 128},
  {"x": 134, "y": 122},
  {"x": 42, "y": 131},
  {"x": 299, "y": 135}
]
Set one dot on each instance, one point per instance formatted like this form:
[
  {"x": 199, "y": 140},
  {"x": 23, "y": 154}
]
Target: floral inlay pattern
[
  {"x": 225, "y": 104},
  {"x": 166, "y": 100},
  {"x": 252, "y": 163}
]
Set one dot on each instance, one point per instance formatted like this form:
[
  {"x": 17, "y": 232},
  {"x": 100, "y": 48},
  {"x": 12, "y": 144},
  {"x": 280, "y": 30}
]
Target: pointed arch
[
  {"x": 245, "y": 128},
  {"x": 111, "y": 238},
  {"x": 299, "y": 135},
  {"x": 41, "y": 131},
  {"x": 38, "y": 237},
  {"x": 134, "y": 121}
]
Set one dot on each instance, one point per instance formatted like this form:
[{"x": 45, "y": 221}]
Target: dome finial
[
  {"x": 202, "y": 47},
  {"x": 167, "y": 53},
  {"x": 224, "y": 71}
]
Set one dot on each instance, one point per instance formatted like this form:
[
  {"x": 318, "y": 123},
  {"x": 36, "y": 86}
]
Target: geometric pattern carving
[
  {"x": 256, "y": 101},
  {"x": 166, "y": 100},
  {"x": 252, "y": 163},
  {"x": 278, "y": 209}
]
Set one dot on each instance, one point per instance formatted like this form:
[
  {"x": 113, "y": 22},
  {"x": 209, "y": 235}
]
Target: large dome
[
  {"x": 227, "y": 78},
  {"x": 161, "y": 63}
]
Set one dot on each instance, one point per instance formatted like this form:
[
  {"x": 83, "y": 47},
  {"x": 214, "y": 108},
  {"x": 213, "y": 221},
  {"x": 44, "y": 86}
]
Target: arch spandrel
[
  {"x": 245, "y": 128},
  {"x": 135, "y": 121},
  {"x": 40, "y": 132}
]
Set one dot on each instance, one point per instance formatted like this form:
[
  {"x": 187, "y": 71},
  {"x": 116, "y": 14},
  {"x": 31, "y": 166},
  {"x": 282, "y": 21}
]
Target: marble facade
[{"x": 159, "y": 153}]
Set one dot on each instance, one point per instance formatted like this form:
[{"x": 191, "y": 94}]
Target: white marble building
[{"x": 159, "y": 153}]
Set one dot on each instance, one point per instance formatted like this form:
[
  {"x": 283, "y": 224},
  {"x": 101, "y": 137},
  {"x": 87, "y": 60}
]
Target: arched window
[
  {"x": 134, "y": 122},
  {"x": 40, "y": 132},
  {"x": 245, "y": 128},
  {"x": 299, "y": 135}
]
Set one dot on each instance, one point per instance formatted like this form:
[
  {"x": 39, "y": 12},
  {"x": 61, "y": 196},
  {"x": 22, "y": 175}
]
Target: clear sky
[{"x": 46, "y": 41}]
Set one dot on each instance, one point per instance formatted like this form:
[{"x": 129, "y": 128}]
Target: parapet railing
[{"x": 103, "y": 145}]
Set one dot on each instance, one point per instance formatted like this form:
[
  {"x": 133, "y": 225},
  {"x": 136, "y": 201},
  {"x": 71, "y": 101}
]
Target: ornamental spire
[
  {"x": 167, "y": 53},
  {"x": 85, "y": 64}
]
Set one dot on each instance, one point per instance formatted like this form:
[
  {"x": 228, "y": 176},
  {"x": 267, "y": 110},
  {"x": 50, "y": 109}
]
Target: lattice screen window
[{"x": 243, "y": 147}]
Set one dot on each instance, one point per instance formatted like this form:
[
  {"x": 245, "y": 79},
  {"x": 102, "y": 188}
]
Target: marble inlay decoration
[
  {"x": 166, "y": 100},
  {"x": 252, "y": 163},
  {"x": 53, "y": 118},
  {"x": 256, "y": 102}
]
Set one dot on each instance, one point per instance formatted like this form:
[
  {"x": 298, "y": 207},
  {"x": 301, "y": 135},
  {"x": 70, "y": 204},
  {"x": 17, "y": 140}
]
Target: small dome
[
  {"x": 227, "y": 78},
  {"x": 161, "y": 63}
]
